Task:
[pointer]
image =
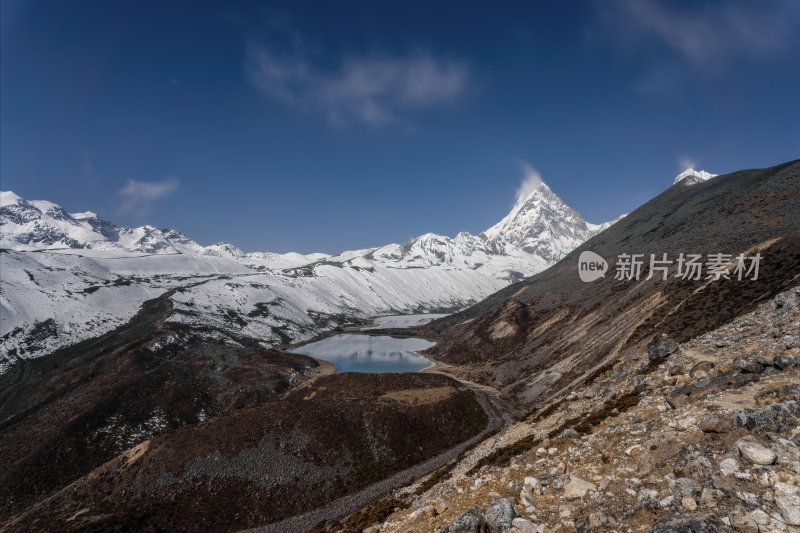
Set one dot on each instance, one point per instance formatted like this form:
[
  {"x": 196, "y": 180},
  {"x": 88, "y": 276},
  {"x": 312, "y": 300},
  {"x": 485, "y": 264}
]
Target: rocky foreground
[{"x": 696, "y": 437}]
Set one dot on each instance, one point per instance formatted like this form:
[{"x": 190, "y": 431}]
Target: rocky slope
[
  {"x": 68, "y": 277},
  {"x": 265, "y": 463},
  {"x": 553, "y": 330},
  {"x": 700, "y": 436}
]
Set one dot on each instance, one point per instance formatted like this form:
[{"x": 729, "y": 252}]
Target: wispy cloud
[
  {"x": 373, "y": 90},
  {"x": 685, "y": 163},
  {"x": 531, "y": 180},
  {"x": 709, "y": 35},
  {"x": 138, "y": 197}
]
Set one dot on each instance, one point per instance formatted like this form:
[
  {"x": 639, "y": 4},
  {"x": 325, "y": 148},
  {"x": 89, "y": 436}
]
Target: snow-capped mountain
[
  {"x": 691, "y": 176},
  {"x": 67, "y": 277},
  {"x": 541, "y": 224}
]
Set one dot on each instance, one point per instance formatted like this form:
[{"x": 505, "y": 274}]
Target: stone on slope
[
  {"x": 522, "y": 525},
  {"x": 467, "y": 522},
  {"x": 577, "y": 488},
  {"x": 787, "y": 499},
  {"x": 756, "y": 453},
  {"x": 661, "y": 347},
  {"x": 777, "y": 418},
  {"x": 500, "y": 515},
  {"x": 782, "y": 362}
]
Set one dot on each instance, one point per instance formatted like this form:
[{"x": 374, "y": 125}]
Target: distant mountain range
[{"x": 71, "y": 276}]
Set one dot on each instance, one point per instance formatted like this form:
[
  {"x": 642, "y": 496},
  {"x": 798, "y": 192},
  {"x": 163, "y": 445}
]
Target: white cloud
[
  {"x": 138, "y": 197},
  {"x": 531, "y": 180},
  {"x": 707, "y": 35},
  {"x": 373, "y": 90}
]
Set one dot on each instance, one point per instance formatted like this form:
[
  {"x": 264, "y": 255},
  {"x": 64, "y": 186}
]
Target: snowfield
[{"x": 404, "y": 321}]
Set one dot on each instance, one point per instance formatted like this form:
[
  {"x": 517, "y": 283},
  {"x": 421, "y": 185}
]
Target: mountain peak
[
  {"x": 8, "y": 198},
  {"x": 531, "y": 190},
  {"x": 691, "y": 176},
  {"x": 540, "y": 223}
]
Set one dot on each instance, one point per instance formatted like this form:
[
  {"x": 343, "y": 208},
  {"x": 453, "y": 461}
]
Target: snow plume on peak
[
  {"x": 531, "y": 181},
  {"x": 691, "y": 176}
]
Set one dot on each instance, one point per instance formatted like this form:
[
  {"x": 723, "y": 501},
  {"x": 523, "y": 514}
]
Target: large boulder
[
  {"x": 467, "y": 522},
  {"x": 661, "y": 347},
  {"x": 756, "y": 453},
  {"x": 776, "y": 418},
  {"x": 781, "y": 362},
  {"x": 500, "y": 515}
]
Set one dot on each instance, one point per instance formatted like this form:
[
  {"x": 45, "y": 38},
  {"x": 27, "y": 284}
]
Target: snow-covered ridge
[
  {"x": 691, "y": 176},
  {"x": 67, "y": 277}
]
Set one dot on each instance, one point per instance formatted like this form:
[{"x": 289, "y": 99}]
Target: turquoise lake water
[{"x": 369, "y": 353}]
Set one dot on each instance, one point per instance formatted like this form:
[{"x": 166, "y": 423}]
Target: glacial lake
[{"x": 371, "y": 354}]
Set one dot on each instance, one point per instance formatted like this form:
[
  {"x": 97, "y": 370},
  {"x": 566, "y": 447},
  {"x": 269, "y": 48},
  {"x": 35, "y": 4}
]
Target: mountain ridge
[{"x": 69, "y": 277}]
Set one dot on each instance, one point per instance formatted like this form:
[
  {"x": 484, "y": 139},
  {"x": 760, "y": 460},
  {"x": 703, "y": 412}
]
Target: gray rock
[
  {"x": 690, "y": 523},
  {"x": 756, "y": 453},
  {"x": 786, "y": 301},
  {"x": 499, "y": 515},
  {"x": 556, "y": 481},
  {"x": 728, "y": 466},
  {"x": 768, "y": 371},
  {"x": 777, "y": 418},
  {"x": 749, "y": 366},
  {"x": 522, "y": 525},
  {"x": 787, "y": 499},
  {"x": 661, "y": 347},
  {"x": 694, "y": 462},
  {"x": 468, "y": 522},
  {"x": 570, "y": 433},
  {"x": 782, "y": 362},
  {"x": 684, "y": 487}
]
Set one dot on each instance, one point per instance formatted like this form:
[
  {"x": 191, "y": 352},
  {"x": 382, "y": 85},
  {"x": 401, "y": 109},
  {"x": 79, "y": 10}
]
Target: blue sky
[{"x": 324, "y": 126}]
